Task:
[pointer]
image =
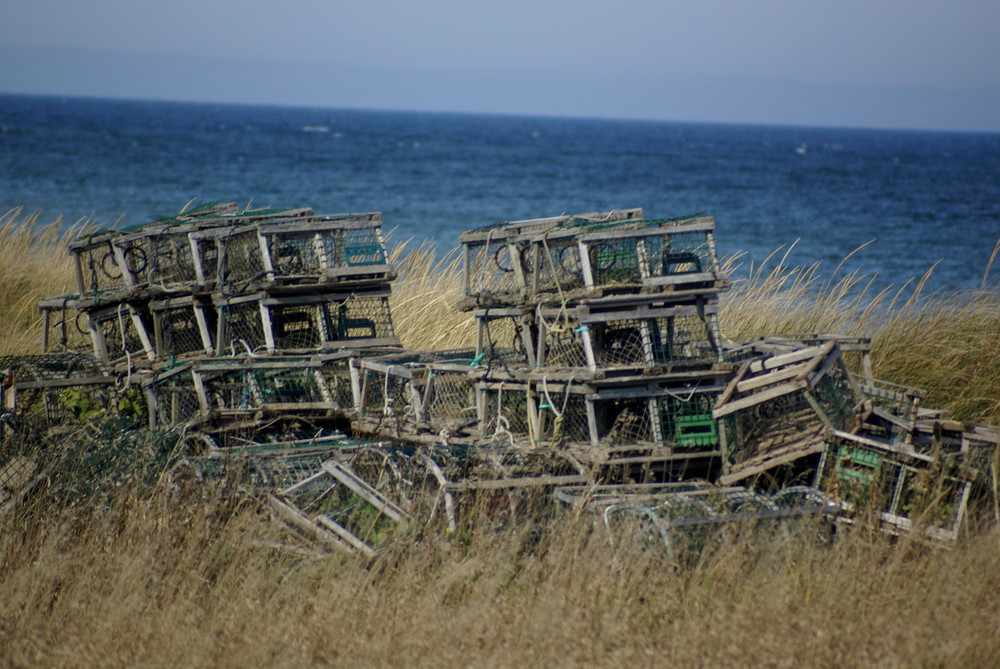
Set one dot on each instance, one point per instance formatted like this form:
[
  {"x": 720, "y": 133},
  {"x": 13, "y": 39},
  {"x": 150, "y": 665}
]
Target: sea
[{"x": 909, "y": 200}]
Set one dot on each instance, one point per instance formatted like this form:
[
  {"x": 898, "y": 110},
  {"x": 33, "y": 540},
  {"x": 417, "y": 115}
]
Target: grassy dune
[{"x": 155, "y": 577}]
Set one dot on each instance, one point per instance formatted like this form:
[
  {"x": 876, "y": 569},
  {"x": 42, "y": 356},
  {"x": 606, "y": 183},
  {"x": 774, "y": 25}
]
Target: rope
[{"x": 502, "y": 424}]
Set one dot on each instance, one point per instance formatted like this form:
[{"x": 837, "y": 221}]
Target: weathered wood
[
  {"x": 296, "y": 518},
  {"x": 523, "y": 482},
  {"x": 776, "y": 376},
  {"x": 349, "y": 478},
  {"x": 758, "y": 398}
]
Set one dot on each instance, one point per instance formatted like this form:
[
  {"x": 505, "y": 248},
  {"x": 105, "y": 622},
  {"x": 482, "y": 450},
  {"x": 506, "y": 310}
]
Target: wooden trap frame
[
  {"x": 47, "y": 391},
  {"x": 65, "y": 328},
  {"x": 98, "y": 271},
  {"x": 202, "y": 390},
  {"x": 427, "y": 396},
  {"x": 776, "y": 408},
  {"x": 494, "y": 255},
  {"x": 338, "y": 508},
  {"x": 262, "y": 322},
  {"x": 122, "y": 334},
  {"x": 906, "y": 490},
  {"x": 675, "y": 417},
  {"x": 183, "y": 326}
]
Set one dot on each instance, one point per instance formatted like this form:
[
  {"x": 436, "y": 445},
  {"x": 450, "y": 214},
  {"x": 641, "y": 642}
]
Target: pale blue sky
[{"x": 893, "y": 63}]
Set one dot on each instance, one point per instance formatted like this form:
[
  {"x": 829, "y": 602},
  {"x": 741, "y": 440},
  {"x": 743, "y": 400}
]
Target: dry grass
[
  {"x": 424, "y": 296},
  {"x": 155, "y": 583},
  {"x": 34, "y": 263},
  {"x": 947, "y": 344},
  {"x": 154, "y": 579}
]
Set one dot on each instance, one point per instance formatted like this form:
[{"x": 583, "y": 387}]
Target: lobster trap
[
  {"x": 98, "y": 271},
  {"x": 158, "y": 257},
  {"x": 43, "y": 392},
  {"x": 122, "y": 335},
  {"x": 890, "y": 410},
  {"x": 341, "y": 248},
  {"x": 304, "y": 323},
  {"x": 632, "y": 338},
  {"x": 183, "y": 326},
  {"x": 201, "y": 389},
  {"x": 505, "y": 338},
  {"x": 654, "y": 256},
  {"x": 494, "y": 256},
  {"x": 230, "y": 259},
  {"x": 905, "y": 490},
  {"x": 776, "y": 408},
  {"x": 65, "y": 328},
  {"x": 669, "y": 415},
  {"x": 430, "y": 393}
]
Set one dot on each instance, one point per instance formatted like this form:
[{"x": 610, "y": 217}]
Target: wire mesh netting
[
  {"x": 244, "y": 328},
  {"x": 450, "y": 399},
  {"x": 357, "y": 247},
  {"x": 297, "y": 326},
  {"x": 505, "y": 411},
  {"x": 564, "y": 345},
  {"x": 629, "y": 260},
  {"x": 340, "y": 387},
  {"x": 244, "y": 261},
  {"x": 502, "y": 341},
  {"x": 359, "y": 317},
  {"x": 99, "y": 273},
  {"x": 686, "y": 423},
  {"x": 158, "y": 257},
  {"x": 173, "y": 400},
  {"x": 295, "y": 254},
  {"x": 562, "y": 416},
  {"x": 627, "y": 420},
  {"x": 835, "y": 395},
  {"x": 559, "y": 267},
  {"x": 124, "y": 333},
  {"x": 769, "y": 426},
  {"x": 384, "y": 394},
  {"x": 178, "y": 331},
  {"x": 491, "y": 270}
]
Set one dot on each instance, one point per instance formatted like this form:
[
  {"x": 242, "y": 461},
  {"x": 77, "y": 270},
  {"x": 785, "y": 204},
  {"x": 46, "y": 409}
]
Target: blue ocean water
[{"x": 924, "y": 197}]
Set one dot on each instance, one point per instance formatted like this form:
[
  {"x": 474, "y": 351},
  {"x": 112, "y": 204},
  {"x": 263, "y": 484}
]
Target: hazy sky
[{"x": 913, "y": 63}]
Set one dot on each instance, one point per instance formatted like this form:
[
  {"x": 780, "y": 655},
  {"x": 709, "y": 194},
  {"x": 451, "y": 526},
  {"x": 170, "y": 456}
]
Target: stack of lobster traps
[
  {"x": 599, "y": 377},
  {"x": 597, "y": 335},
  {"x": 226, "y": 315}
]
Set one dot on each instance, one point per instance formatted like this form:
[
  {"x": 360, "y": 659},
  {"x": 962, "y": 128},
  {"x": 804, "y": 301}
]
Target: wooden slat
[
  {"x": 758, "y": 398},
  {"x": 775, "y": 376},
  {"x": 525, "y": 482},
  {"x": 364, "y": 491},
  {"x": 785, "y": 359}
]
